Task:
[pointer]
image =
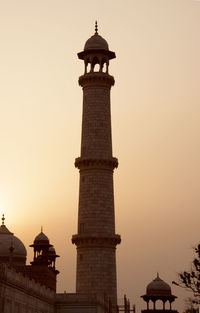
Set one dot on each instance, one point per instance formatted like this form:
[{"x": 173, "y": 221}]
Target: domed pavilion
[
  {"x": 96, "y": 52},
  {"x": 157, "y": 290}
]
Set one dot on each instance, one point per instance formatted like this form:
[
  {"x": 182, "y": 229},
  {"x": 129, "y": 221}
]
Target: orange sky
[{"x": 155, "y": 125}]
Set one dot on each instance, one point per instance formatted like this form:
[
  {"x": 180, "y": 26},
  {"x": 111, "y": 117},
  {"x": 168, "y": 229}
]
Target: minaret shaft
[
  {"x": 96, "y": 202},
  {"x": 96, "y": 124}
]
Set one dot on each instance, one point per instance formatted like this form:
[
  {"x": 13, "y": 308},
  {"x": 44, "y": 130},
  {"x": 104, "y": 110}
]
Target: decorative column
[{"x": 96, "y": 239}]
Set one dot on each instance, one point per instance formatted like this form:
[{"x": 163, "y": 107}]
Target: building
[
  {"x": 32, "y": 288},
  {"x": 158, "y": 291},
  {"x": 26, "y": 288},
  {"x": 96, "y": 240}
]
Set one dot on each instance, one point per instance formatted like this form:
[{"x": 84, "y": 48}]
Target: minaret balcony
[
  {"x": 109, "y": 164},
  {"x": 96, "y": 240},
  {"x": 99, "y": 78}
]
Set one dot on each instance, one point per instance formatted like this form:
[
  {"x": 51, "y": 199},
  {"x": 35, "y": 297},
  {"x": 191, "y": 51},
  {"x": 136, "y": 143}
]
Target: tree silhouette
[{"x": 191, "y": 280}]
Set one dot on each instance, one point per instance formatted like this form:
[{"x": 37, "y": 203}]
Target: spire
[
  {"x": 3, "y": 228},
  {"x": 41, "y": 229},
  {"x": 96, "y": 28},
  {"x": 3, "y": 219}
]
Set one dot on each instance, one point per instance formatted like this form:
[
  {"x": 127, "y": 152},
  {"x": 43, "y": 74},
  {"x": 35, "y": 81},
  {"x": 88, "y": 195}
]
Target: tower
[
  {"x": 43, "y": 267},
  {"x": 96, "y": 239}
]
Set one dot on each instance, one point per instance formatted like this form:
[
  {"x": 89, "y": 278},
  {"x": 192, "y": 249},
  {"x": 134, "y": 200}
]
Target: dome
[
  {"x": 158, "y": 287},
  {"x": 41, "y": 238},
  {"x": 96, "y": 45},
  {"x": 96, "y": 42},
  {"x": 11, "y": 248}
]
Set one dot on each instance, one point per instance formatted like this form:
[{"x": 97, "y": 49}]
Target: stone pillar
[{"x": 96, "y": 239}]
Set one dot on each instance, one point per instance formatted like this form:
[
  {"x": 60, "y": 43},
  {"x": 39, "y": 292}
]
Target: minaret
[
  {"x": 96, "y": 239},
  {"x": 42, "y": 267}
]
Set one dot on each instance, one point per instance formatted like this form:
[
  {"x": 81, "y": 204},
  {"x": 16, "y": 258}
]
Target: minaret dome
[{"x": 96, "y": 51}]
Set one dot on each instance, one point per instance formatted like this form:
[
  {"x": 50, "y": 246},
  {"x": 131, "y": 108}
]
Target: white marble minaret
[{"x": 96, "y": 239}]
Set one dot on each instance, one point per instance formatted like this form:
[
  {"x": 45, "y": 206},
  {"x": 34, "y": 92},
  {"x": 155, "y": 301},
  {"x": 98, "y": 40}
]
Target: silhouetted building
[
  {"x": 32, "y": 288},
  {"x": 96, "y": 239},
  {"x": 26, "y": 288},
  {"x": 158, "y": 290}
]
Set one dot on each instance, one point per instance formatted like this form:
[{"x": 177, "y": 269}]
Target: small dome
[
  {"x": 96, "y": 42},
  {"x": 11, "y": 248},
  {"x": 41, "y": 238},
  {"x": 158, "y": 287}
]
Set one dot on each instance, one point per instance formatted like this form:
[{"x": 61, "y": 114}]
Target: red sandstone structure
[{"x": 96, "y": 239}]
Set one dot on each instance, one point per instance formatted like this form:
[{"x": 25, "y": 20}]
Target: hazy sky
[{"x": 155, "y": 126}]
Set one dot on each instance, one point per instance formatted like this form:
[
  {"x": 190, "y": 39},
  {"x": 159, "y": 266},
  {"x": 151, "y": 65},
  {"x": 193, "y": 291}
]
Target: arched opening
[
  {"x": 87, "y": 66},
  {"x": 151, "y": 305},
  {"x": 95, "y": 65},
  {"x": 96, "y": 68},
  {"x": 159, "y": 305},
  {"x": 167, "y": 305}
]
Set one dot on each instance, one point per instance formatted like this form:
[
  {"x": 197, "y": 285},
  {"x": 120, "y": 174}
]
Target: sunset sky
[{"x": 155, "y": 126}]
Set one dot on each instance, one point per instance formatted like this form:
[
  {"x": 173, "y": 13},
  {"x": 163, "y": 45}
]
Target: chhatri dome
[
  {"x": 96, "y": 51},
  {"x": 158, "y": 287},
  {"x": 12, "y": 249},
  {"x": 41, "y": 239},
  {"x": 96, "y": 42}
]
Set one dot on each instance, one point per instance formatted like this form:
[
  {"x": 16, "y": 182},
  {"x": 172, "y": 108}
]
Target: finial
[
  {"x": 41, "y": 229},
  {"x": 158, "y": 275},
  {"x": 3, "y": 219},
  {"x": 96, "y": 28}
]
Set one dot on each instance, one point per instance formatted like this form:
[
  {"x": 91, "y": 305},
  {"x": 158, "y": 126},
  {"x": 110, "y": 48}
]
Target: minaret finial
[
  {"x": 96, "y": 28},
  {"x": 3, "y": 219}
]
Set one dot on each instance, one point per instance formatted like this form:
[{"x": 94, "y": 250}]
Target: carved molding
[
  {"x": 85, "y": 240},
  {"x": 96, "y": 78},
  {"x": 82, "y": 163}
]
